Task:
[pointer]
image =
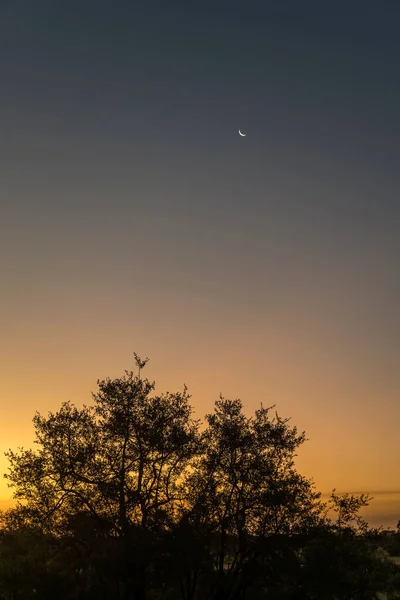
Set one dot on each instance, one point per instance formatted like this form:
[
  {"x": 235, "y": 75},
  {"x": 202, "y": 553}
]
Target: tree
[
  {"x": 245, "y": 490},
  {"x": 119, "y": 462},
  {"x": 344, "y": 560},
  {"x": 32, "y": 566}
]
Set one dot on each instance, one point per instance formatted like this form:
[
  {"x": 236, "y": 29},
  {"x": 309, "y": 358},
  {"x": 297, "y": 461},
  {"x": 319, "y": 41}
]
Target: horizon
[{"x": 380, "y": 518}]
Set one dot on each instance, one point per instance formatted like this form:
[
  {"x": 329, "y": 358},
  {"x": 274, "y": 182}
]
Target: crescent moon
[{"x": 242, "y": 134}]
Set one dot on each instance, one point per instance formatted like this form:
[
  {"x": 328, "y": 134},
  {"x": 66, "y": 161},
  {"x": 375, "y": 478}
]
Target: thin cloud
[{"x": 369, "y": 492}]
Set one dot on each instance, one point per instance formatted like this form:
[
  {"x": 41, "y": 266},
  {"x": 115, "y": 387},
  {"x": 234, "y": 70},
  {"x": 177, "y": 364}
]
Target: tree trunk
[{"x": 139, "y": 591}]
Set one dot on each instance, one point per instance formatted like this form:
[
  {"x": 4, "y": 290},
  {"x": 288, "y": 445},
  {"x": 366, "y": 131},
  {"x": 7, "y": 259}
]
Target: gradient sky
[{"x": 135, "y": 218}]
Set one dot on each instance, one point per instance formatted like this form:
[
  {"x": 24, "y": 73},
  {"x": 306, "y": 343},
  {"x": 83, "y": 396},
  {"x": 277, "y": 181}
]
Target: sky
[{"x": 135, "y": 218}]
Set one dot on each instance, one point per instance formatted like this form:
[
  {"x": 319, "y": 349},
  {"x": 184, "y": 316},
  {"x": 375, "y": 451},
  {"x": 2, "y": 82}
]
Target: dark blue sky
[{"x": 317, "y": 86}]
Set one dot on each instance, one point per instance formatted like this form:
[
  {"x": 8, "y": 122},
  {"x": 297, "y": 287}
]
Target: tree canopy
[{"x": 131, "y": 498}]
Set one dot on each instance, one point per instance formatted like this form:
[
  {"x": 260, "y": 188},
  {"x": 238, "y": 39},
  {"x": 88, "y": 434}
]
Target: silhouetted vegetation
[{"x": 131, "y": 499}]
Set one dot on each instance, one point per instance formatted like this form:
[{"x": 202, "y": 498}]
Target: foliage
[{"x": 127, "y": 499}]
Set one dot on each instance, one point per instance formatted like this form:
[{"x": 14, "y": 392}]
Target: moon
[{"x": 242, "y": 134}]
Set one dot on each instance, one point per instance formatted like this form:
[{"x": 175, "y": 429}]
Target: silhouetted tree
[
  {"x": 245, "y": 489},
  {"x": 345, "y": 559},
  {"x": 126, "y": 500},
  {"x": 119, "y": 462},
  {"x": 31, "y": 566}
]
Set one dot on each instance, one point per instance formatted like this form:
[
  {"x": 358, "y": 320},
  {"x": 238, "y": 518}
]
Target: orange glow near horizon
[{"x": 341, "y": 454}]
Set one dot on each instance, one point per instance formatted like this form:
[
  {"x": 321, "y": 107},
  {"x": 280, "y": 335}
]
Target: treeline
[{"x": 130, "y": 498}]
